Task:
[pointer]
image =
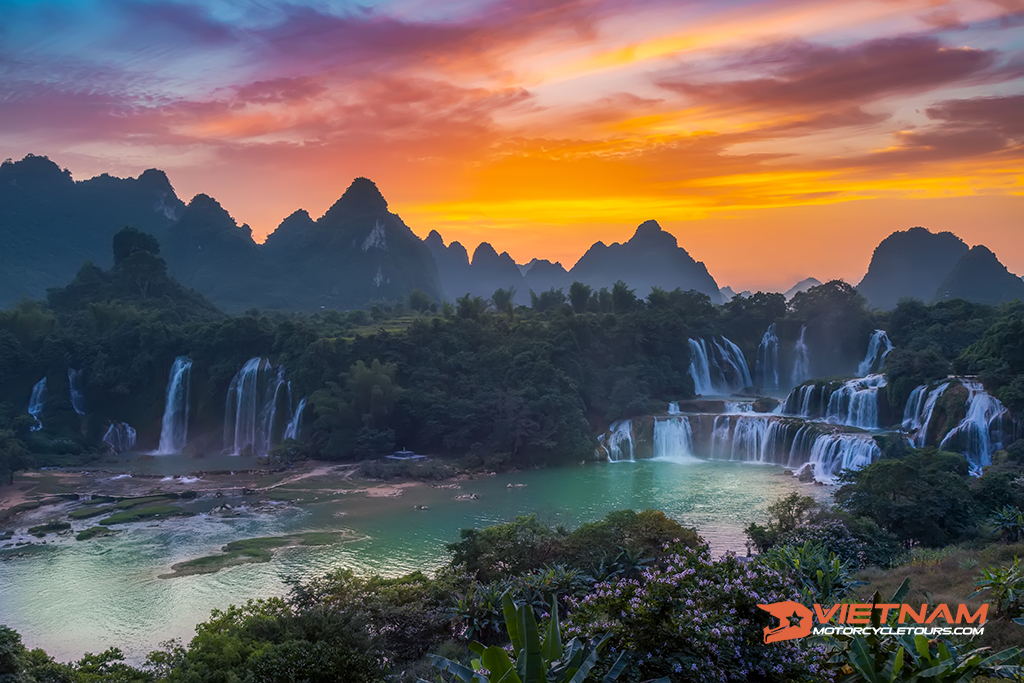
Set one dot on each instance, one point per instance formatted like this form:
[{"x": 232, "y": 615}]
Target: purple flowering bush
[{"x": 696, "y": 619}]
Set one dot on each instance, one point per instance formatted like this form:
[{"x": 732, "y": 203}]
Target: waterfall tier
[
  {"x": 77, "y": 391},
  {"x": 766, "y": 368},
  {"x": 879, "y": 347},
  {"x": 120, "y": 436},
  {"x": 36, "y": 403},
  {"x": 855, "y": 402},
  {"x": 745, "y": 437},
  {"x": 985, "y": 428},
  {"x": 801, "y": 359},
  {"x": 174, "y": 426},
  {"x": 717, "y": 367},
  {"x": 259, "y": 412}
]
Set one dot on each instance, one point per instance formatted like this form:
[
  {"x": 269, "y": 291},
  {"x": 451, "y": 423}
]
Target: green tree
[
  {"x": 374, "y": 392},
  {"x": 502, "y": 300},
  {"x": 921, "y": 498},
  {"x": 623, "y": 298},
  {"x": 14, "y": 456},
  {"x": 579, "y": 296},
  {"x": 418, "y": 300}
]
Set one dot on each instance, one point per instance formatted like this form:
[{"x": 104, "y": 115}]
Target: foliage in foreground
[{"x": 637, "y": 606}]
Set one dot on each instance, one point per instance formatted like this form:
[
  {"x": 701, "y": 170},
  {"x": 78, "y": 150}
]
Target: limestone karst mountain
[{"x": 910, "y": 264}]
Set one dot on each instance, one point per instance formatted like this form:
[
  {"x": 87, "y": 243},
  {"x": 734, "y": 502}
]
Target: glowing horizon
[{"x": 777, "y": 139}]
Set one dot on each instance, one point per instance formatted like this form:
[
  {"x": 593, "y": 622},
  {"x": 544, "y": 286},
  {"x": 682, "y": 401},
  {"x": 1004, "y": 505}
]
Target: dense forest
[{"x": 479, "y": 378}]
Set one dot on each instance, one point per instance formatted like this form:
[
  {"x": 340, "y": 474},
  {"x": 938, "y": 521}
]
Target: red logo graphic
[{"x": 795, "y": 621}]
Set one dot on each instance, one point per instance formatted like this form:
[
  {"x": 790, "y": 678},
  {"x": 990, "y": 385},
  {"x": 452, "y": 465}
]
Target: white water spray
[
  {"x": 174, "y": 427},
  {"x": 879, "y": 347},
  {"x": 801, "y": 360},
  {"x": 767, "y": 365},
  {"x": 77, "y": 394},
  {"x": 120, "y": 436},
  {"x": 36, "y": 403}
]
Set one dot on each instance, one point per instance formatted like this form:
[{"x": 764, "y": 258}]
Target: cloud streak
[{"x": 496, "y": 116}]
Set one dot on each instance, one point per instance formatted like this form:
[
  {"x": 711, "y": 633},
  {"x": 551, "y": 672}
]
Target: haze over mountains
[{"x": 359, "y": 252}]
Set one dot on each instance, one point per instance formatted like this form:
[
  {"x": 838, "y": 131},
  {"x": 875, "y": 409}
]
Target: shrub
[{"x": 698, "y": 620}]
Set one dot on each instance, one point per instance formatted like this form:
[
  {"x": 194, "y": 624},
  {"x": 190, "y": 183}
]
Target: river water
[{"x": 72, "y": 597}]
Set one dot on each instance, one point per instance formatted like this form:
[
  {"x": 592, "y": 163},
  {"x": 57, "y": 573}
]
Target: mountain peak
[
  {"x": 362, "y": 196},
  {"x": 650, "y": 231}
]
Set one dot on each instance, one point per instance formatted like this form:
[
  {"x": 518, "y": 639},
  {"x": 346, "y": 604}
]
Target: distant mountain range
[
  {"x": 651, "y": 258},
  {"x": 358, "y": 252},
  {"x": 919, "y": 264}
]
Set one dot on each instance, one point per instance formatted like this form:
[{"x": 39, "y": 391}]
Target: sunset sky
[{"x": 776, "y": 139}]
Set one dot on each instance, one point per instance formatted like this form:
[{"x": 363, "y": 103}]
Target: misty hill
[
  {"x": 209, "y": 252},
  {"x": 486, "y": 272},
  {"x": 651, "y": 258},
  {"x": 50, "y": 224},
  {"x": 979, "y": 276},
  {"x": 802, "y": 286},
  {"x": 138, "y": 278},
  {"x": 541, "y": 275},
  {"x": 910, "y": 264},
  {"x": 355, "y": 253}
]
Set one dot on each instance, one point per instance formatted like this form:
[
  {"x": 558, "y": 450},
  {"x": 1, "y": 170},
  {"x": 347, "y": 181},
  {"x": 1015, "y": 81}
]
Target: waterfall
[
  {"x": 37, "y": 402},
  {"x": 917, "y": 416},
  {"x": 673, "y": 440},
  {"x": 294, "y": 428},
  {"x": 733, "y": 365},
  {"x": 258, "y": 412},
  {"x": 618, "y": 442},
  {"x": 174, "y": 427},
  {"x": 742, "y": 437},
  {"x": 801, "y": 360},
  {"x": 855, "y": 403},
  {"x": 767, "y": 366},
  {"x": 717, "y": 368},
  {"x": 806, "y": 400},
  {"x": 879, "y": 347},
  {"x": 77, "y": 395},
  {"x": 673, "y": 408},
  {"x": 700, "y": 368},
  {"x": 120, "y": 436},
  {"x": 832, "y": 453},
  {"x": 732, "y": 407},
  {"x": 982, "y": 430}
]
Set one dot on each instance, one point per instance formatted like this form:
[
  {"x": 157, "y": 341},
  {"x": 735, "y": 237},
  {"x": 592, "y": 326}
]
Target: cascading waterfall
[
  {"x": 918, "y": 413},
  {"x": 744, "y": 437},
  {"x": 855, "y": 403},
  {"x": 120, "y": 436},
  {"x": 733, "y": 365},
  {"x": 833, "y": 453},
  {"x": 77, "y": 394},
  {"x": 806, "y": 400},
  {"x": 294, "y": 428},
  {"x": 766, "y": 368},
  {"x": 983, "y": 429},
  {"x": 879, "y": 347},
  {"x": 36, "y": 403},
  {"x": 801, "y": 360},
  {"x": 618, "y": 442},
  {"x": 174, "y": 427},
  {"x": 718, "y": 367},
  {"x": 732, "y": 407},
  {"x": 700, "y": 368},
  {"x": 258, "y": 413},
  {"x": 673, "y": 408},
  {"x": 673, "y": 440}
]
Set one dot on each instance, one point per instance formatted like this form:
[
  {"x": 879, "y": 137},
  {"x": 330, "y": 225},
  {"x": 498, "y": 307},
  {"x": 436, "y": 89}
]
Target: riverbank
[{"x": 71, "y": 596}]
